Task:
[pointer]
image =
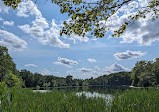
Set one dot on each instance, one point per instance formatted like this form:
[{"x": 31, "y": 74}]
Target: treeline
[
  {"x": 144, "y": 74},
  {"x": 114, "y": 79},
  {"x": 38, "y": 80}
]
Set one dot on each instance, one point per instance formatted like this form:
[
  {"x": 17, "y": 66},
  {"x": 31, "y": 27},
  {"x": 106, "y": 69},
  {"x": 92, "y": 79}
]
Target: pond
[{"x": 105, "y": 92}]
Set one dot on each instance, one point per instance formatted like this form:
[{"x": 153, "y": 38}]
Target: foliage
[
  {"x": 86, "y": 15},
  {"x": 12, "y": 80},
  {"x": 12, "y": 3},
  {"x": 69, "y": 80},
  {"x": 8, "y": 71},
  {"x": 114, "y": 79},
  {"x": 6, "y": 63},
  {"x": 145, "y": 74}
]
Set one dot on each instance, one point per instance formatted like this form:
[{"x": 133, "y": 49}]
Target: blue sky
[{"x": 31, "y": 34}]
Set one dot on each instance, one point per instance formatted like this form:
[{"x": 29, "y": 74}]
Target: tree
[
  {"x": 12, "y": 3},
  {"x": 28, "y": 78},
  {"x": 69, "y": 80},
  {"x": 145, "y": 73},
  {"x": 6, "y": 63},
  {"x": 86, "y": 16},
  {"x": 155, "y": 69},
  {"x": 12, "y": 80}
]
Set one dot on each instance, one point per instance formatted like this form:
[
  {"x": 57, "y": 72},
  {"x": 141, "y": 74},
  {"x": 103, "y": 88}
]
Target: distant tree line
[{"x": 144, "y": 74}]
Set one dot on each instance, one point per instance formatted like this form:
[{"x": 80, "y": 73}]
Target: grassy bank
[{"x": 132, "y": 100}]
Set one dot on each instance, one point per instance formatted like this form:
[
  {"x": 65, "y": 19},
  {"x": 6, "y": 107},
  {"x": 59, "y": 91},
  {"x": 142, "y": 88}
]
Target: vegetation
[
  {"x": 6, "y": 96},
  {"x": 131, "y": 100},
  {"x": 55, "y": 101},
  {"x": 144, "y": 74},
  {"x": 114, "y": 79},
  {"x": 8, "y": 71},
  {"x": 136, "y": 100},
  {"x": 86, "y": 15}
]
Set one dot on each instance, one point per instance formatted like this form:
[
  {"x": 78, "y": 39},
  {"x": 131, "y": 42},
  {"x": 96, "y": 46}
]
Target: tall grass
[
  {"x": 136, "y": 100},
  {"x": 56, "y": 101},
  {"x": 132, "y": 100}
]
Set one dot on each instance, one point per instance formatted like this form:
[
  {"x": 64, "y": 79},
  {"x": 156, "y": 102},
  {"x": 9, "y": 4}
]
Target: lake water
[{"x": 90, "y": 91}]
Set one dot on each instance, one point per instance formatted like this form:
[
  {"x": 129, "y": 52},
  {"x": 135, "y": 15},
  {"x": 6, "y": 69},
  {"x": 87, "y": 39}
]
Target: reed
[{"x": 131, "y": 100}]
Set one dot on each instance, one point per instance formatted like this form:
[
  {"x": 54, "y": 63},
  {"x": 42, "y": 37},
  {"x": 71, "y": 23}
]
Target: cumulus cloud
[
  {"x": 142, "y": 31},
  {"x": 3, "y": 8},
  {"x": 97, "y": 68},
  {"x": 115, "y": 68},
  {"x": 91, "y": 60},
  {"x": 129, "y": 55},
  {"x": 84, "y": 69},
  {"x": 28, "y": 8},
  {"x": 40, "y": 29},
  {"x": 11, "y": 41},
  {"x": 8, "y": 23},
  {"x": 84, "y": 73},
  {"x": 1, "y": 19},
  {"x": 45, "y": 72},
  {"x": 78, "y": 74},
  {"x": 76, "y": 38},
  {"x": 30, "y": 65},
  {"x": 66, "y": 62}
]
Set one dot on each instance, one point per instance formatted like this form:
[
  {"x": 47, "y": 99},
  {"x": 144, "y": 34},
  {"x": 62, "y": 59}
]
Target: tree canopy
[
  {"x": 86, "y": 16},
  {"x": 8, "y": 71}
]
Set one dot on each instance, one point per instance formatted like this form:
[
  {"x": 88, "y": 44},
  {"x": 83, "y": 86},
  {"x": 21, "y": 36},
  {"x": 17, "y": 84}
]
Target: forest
[{"x": 144, "y": 74}]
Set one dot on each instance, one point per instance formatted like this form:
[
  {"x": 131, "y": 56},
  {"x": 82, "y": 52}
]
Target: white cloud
[
  {"x": 84, "y": 69},
  {"x": 97, "y": 68},
  {"x": 30, "y": 65},
  {"x": 3, "y": 8},
  {"x": 8, "y": 23},
  {"x": 84, "y": 73},
  {"x": 76, "y": 38},
  {"x": 78, "y": 74},
  {"x": 12, "y": 41},
  {"x": 28, "y": 8},
  {"x": 45, "y": 72},
  {"x": 66, "y": 62},
  {"x": 142, "y": 31},
  {"x": 128, "y": 55},
  {"x": 91, "y": 60},
  {"x": 115, "y": 68},
  {"x": 1, "y": 19},
  {"x": 40, "y": 28}
]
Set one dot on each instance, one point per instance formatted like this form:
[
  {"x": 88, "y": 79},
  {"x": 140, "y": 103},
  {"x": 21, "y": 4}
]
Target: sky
[{"x": 31, "y": 33}]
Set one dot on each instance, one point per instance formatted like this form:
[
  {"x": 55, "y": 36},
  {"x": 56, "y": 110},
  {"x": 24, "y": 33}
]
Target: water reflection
[
  {"x": 107, "y": 97},
  {"x": 42, "y": 91}
]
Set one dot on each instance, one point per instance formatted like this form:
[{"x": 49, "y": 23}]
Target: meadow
[{"x": 131, "y": 100}]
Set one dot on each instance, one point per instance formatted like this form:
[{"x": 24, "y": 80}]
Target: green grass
[
  {"x": 133, "y": 100},
  {"x": 136, "y": 100},
  {"x": 56, "y": 101}
]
